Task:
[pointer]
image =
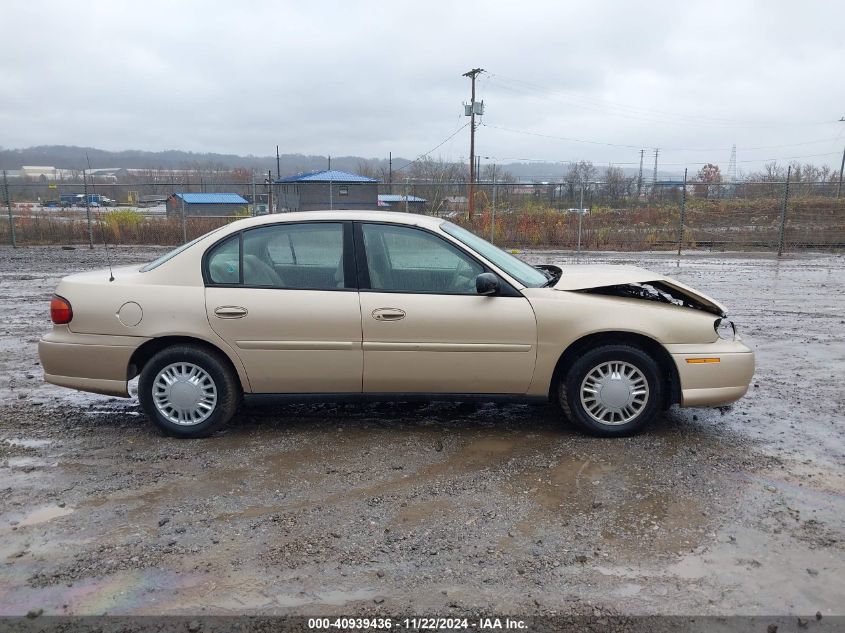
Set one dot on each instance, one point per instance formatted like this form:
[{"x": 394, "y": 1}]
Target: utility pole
[
  {"x": 254, "y": 198},
  {"x": 278, "y": 164},
  {"x": 184, "y": 223},
  {"x": 269, "y": 191},
  {"x": 9, "y": 208},
  {"x": 782, "y": 231},
  {"x": 654, "y": 177},
  {"x": 390, "y": 172},
  {"x": 580, "y": 215},
  {"x": 406, "y": 194},
  {"x": 88, "y": 209},
  {"x": 472, "y": 74},
  {"x": 640, "y": 177},
  {"x": 682, "y": 213},
  {"x": 841, "y": 168},
  {"x": 493, "y": 214}
]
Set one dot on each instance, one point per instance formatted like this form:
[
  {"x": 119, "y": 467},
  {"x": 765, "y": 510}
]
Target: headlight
[{"x": 725, "y": 329}]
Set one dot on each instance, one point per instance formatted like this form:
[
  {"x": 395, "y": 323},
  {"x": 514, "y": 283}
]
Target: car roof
[{"x": 393, "y": 217}]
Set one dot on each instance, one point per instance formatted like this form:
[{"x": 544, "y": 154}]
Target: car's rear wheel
[
  {"x": 612, "y": 390},
  {"x": 187, "y": 391}
]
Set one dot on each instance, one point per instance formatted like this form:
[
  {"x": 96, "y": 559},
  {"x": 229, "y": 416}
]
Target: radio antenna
[{"x": 100, "y": 219}]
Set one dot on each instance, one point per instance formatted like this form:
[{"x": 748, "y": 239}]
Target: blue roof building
[
  {"x": 326, "y": 175},
  {"x": 327, "y": 189},
  {"x": 210, "y": 198},
  {"x": 207, "y": 204}
]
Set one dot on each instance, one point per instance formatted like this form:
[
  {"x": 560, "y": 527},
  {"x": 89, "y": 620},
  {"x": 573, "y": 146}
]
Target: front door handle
[
  {"x": 230, "y": 312},
  {"x": 388, "y": 314}
]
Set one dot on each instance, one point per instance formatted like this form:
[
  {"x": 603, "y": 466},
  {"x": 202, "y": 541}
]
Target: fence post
[
  {"x": 88, "y": 209},
  {"x": 580, "y": 216},
  {"x": 682, "y": 213},
  {"x": 184, "y": 224},
  {"x": 783, "y": 212},
  {"x": 254, "y": 199},
  {"x": 9, "y": 207},
  {"x": 493, "y": 214}
]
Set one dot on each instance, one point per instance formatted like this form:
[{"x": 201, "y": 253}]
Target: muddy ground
[{"x": 436, "y": 508}]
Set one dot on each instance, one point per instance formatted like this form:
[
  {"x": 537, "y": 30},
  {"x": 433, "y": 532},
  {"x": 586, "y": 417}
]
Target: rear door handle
[
  {"x": 388, "y": 314},
  {"x": 230, "y": 312}
]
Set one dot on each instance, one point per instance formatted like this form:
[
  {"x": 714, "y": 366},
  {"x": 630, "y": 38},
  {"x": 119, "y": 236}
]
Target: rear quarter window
[{"x": 223, "y": 261}]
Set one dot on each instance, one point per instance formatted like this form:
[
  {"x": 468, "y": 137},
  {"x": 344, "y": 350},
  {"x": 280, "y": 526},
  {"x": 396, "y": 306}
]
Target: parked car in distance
[
  {"x": 78, "y": 200},
  {"x": 385, "y": 304}
]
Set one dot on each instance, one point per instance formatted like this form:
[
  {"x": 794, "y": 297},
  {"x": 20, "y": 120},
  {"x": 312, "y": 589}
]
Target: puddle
[
  {"x": 27, "y": 442},
  {"x": 248, "y": 596},
  {"x": 42, "y": 515},
  {"x": 421, "y": 513},
  {"x": 26, "y": 461},
  {"x": 622, "y": 499}
]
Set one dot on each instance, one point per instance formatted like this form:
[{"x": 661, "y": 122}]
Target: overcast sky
[{"x": 366, "y": 78}]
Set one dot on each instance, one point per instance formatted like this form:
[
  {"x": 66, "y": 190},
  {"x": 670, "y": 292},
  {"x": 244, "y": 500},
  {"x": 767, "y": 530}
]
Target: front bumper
[
  {"x": 87, "y": 362},
  {"x": 714, "y": 374}
]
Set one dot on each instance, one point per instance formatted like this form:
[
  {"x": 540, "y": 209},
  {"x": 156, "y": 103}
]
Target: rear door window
[{"x": 303, "y": 256}]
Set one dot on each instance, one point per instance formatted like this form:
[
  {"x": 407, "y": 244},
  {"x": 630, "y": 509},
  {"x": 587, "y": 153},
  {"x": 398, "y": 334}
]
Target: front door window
[{"x": 406, "y": 259}]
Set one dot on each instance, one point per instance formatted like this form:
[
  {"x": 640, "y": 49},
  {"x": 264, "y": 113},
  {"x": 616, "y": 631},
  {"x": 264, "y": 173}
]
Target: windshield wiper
[{"x": 551, "y": 277}]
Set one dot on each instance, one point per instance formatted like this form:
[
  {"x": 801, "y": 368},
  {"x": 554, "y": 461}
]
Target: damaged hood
[{"x": 589, "y": 277}]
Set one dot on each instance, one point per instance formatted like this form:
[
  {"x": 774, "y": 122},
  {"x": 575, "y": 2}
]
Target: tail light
[{"x": 60, "y": 310}]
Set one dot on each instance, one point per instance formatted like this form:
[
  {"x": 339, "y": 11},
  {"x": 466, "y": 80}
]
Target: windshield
[
  {"x": 524, "y": 273},
  {"x": 167, "y": 256}
]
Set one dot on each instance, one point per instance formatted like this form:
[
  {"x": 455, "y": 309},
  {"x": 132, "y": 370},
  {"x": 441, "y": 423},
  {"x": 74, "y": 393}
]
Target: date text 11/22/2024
[{"x": 415, "y": 623}]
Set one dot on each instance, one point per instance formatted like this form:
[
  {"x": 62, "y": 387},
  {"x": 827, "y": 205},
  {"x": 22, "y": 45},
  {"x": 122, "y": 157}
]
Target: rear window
[{"x": 168, "y": 256}]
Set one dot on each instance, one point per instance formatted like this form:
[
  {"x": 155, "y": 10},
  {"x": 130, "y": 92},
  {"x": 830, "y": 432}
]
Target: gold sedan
[{"x": 372, "y": 304}]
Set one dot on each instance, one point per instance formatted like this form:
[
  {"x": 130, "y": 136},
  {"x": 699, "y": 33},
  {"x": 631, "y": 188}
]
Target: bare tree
[
  {"x": 578, "y": 175},
  {"x": 617, "y": 186},
  {"x": 708, "y": 178}
]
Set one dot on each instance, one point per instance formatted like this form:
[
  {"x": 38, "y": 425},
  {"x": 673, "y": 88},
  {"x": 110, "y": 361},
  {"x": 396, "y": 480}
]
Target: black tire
[
  {"x": 228, "y": 393},
  {"x": 569, "y": 390}
]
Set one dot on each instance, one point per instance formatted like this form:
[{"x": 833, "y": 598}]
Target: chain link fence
[{"x": 776, "y": 216}]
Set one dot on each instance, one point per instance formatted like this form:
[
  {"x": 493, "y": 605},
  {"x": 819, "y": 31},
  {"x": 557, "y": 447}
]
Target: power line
[
  {"x": 665, "y": 164},
  {"x": 634, "y": 112},
  {"x": 560, "y": 138},
  {"x": 436, "y": 147},
  {"x": 672, "y": 149}
]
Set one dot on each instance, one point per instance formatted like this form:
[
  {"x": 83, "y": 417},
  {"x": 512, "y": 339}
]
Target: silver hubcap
[
  {"x": 614, "y": 393},
  {"x": 184, "y": 394}
]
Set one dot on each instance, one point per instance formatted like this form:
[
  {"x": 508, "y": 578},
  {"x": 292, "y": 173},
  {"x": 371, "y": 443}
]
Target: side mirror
[{"x": 487, "y": 284}]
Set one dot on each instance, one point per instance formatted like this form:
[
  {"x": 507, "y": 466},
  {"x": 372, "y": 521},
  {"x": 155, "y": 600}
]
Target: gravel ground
[{"x": 436, "y": 508}]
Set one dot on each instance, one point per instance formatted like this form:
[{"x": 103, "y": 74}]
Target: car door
[
  {"x": 284, "y": 296},
  {"x": 425, "y": 328}
]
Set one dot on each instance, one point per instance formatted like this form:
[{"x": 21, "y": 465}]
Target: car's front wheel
[
  {"x": 612, "y": 390},
  {"x": 187, "y": 391}
]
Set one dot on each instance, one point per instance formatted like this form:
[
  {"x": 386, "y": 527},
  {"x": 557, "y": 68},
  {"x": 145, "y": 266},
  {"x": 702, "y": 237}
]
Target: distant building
[
  {"x": 397, "y": 203},
  {"x": 152, "y": 200},
  {"x": 208, "y": 204},
  {"x": 42, "y": 172},
  {"x": 332, "y": 189},
  {"x": 48, "y": 173},
  {"x": 112, "y": 174},
  {"x": 39, "y": 171},
  {"x": 454, "y": 204}
]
